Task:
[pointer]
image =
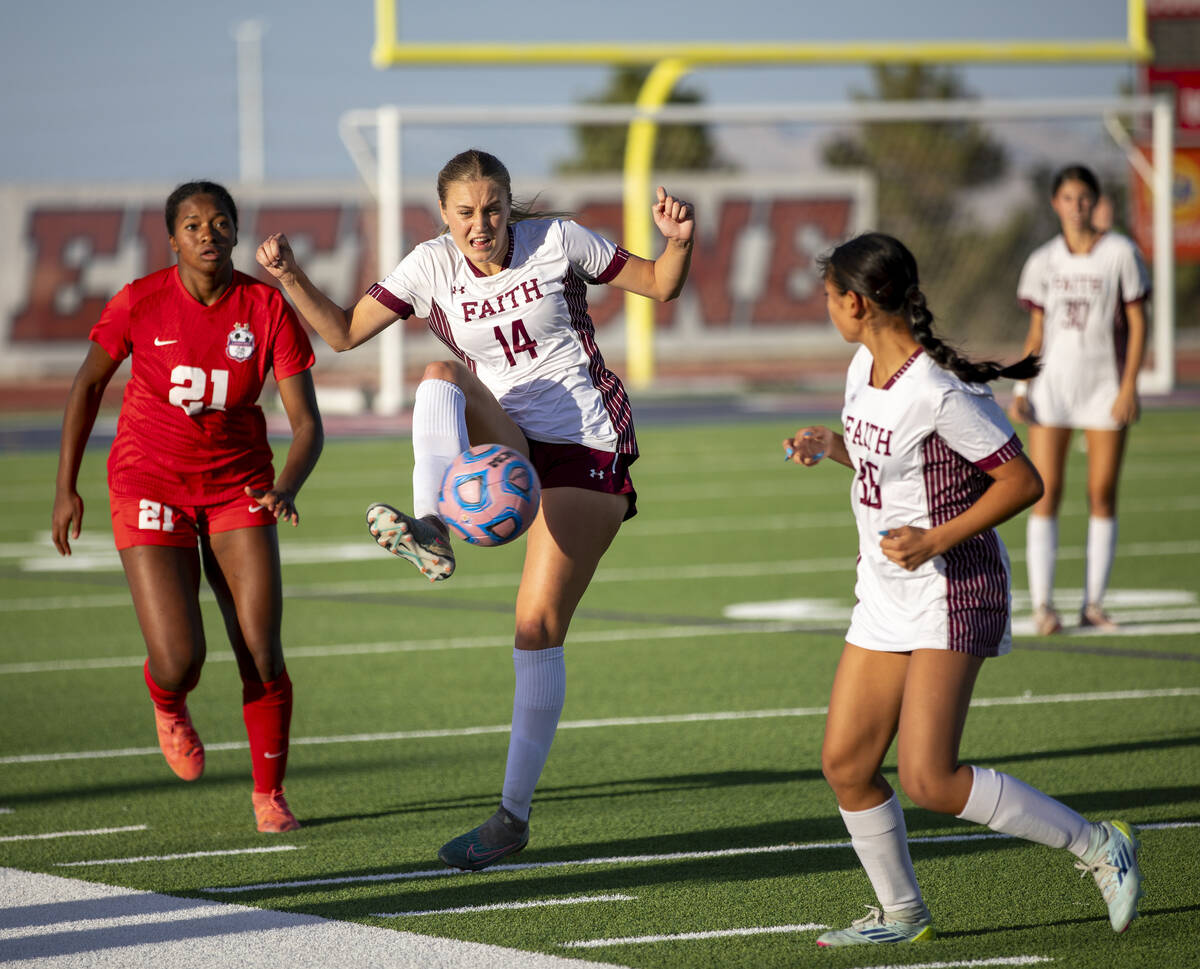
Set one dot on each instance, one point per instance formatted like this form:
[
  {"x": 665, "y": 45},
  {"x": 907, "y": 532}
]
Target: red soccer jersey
[{"x": 191, "y": 431}]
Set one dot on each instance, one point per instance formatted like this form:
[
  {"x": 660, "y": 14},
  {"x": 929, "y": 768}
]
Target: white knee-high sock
[
  {"x": 439, "y": 435},
  {"x": 537, "y": 703},
  {"x": 880, "y": 839},
  {"x": 1101, "y": 549},
  {"x": 1041, "y": 549},
  {"x": 1010, "y": 806}
]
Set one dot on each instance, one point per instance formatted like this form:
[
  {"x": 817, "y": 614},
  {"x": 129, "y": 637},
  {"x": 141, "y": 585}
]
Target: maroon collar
[{"x": 907, "y": 363}]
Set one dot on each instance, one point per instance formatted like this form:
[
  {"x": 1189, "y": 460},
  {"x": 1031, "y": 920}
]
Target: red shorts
[
  {"x": 579, "y": 466},
  {"x": 144, "y": 521}
]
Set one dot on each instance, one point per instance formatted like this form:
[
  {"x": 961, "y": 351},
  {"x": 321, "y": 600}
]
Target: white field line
[
  {"x": 74, "y": 834},
  {"x": 688, "y": 936},
  {"x": 50, "y": 921},
  {"x": 505, "y": 906},
  {"x": 643, "y": 721},
  {"x": 178, "y": 857},
  {"x": 430, "y": 645},
  {"x": 771, "y": 618},
  {"x": 402, "y": 876},
  {"x": 969, "y": 963},
  {"x": 331, "y": 552}
]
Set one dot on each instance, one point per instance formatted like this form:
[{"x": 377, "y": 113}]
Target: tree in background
[
  {"x": 679, "y": 147},
  {"x": 928, "y": 174}
]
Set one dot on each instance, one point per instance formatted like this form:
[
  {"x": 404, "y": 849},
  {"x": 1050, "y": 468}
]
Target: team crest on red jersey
[{"x": 239, "y": 345}]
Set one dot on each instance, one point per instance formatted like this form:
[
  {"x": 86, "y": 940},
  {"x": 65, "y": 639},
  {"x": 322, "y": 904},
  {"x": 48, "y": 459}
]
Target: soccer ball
[{"x": 490, "y": 495}]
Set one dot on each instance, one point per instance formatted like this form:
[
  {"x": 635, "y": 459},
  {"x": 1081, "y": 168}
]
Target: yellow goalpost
[{"x": 671, "y": 61}]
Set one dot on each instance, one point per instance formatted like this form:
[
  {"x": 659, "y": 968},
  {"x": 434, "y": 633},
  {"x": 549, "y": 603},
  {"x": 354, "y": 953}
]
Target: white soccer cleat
[
  {"x": 876, "y": 928},
  {"x": 1115, "y": 868}
]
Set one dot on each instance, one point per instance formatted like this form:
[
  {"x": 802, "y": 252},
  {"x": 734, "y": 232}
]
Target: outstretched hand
[
  {"x": 276, "y": 257},
  {"x": 675, "y": 219}
]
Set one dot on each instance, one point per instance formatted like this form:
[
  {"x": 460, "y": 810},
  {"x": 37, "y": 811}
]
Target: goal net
[{"x": 965, "y": 184}]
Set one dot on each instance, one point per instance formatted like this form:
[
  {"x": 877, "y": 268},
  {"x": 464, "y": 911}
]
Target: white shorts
[
  {"x": 959, "y": 601},
  {"x": 1084, "y": 405}
]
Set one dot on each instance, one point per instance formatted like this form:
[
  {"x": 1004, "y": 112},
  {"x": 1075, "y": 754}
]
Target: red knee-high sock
[
  {"x": 267, "y": 710},
  {"x": 173, "y": 702}
]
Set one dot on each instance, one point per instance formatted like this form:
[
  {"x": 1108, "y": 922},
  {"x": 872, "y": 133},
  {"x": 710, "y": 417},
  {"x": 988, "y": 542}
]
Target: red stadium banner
[{"x": 752, "y": 273}]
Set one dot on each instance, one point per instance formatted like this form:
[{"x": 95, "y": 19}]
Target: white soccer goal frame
[{"x": 382, "y": 171}]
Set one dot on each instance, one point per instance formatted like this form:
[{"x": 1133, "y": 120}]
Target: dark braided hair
[{"x": 880, "y": 268}]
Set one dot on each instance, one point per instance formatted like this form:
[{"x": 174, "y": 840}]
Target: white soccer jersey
[
  {"x": 921, "y": 446},
  {"x": 525, "y": 332},
  {"x": 1085, "y": 329}
]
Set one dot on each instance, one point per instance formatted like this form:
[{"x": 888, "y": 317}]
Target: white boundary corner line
[
  {"x": 712, "y": 717},
  {"x": 67, "y": 922}
]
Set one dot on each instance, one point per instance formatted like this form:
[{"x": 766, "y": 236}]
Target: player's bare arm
[
  {"x": 341, "y": 328},
  {"x": 662, "y": 279},
  {"x": 1016, "y": 485},
  {"x": 299, "y": 400},
  {"x": 1020, "y": 411},
  {"x": 1127, "y": 407},
  {"x": 83, "y": 404}
]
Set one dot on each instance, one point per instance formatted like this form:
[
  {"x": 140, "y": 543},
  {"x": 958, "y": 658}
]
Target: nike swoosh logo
[
  {"x": 254, "y": 508},
  {"x": 473, "y": 855},
  {"x": 273, "y": 756},
  {"x": 163, "y": 343}
]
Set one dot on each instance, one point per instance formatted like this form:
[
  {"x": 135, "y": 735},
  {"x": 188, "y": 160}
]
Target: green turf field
[{"x": 682, "y": 815}]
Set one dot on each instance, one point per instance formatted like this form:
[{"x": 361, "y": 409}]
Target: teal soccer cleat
[{"x": 501, "y": 835}]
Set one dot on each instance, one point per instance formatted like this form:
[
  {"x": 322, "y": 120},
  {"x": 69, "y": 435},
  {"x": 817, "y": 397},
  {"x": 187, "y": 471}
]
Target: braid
[{"x": 880, "y": 267}]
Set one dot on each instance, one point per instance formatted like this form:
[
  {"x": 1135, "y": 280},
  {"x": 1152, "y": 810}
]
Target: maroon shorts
[
  {"x": 579, "y": 466},
  {"x": 144, "y": 521}
]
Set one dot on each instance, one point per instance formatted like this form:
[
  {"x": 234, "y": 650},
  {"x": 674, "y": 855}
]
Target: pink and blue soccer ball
[{"x": 490, "y": 495}]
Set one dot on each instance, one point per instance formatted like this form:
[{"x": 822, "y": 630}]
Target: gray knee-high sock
[{"x": 537, "y": 703}]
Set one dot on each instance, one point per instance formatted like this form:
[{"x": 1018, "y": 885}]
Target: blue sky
[{"x": 146, "y": 90}]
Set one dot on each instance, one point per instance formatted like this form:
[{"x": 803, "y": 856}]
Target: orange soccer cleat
[
  {"x": 272, "y": 813},
  {"x": 180, "y": 744}
]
